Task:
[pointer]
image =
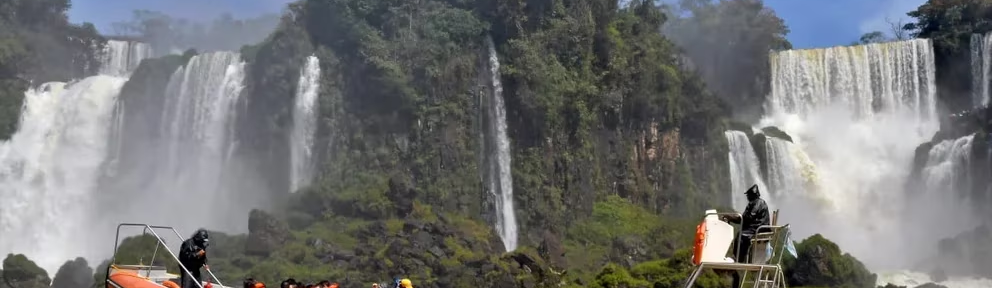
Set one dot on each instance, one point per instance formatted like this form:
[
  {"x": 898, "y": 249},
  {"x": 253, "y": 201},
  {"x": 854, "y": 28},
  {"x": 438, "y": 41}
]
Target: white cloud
[{"x": 893, "y": 10}]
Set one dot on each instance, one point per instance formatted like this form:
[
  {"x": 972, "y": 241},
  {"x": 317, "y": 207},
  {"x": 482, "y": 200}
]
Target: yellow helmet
[{"x": 405, "y": 283}]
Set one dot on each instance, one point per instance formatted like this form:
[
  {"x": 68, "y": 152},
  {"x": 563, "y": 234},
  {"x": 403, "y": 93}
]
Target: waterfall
[
  {"x": 49, "y": 168},
  {"x": 120, "y": 58},
  {"x": 981, "y": 61},
  {"x": 498, "y": 179},
  {"x": 784, "y": 175},
  {"x": 744, "y": 167},
  {"x": 856, "y": 115},
  {"x": 947, "y": 166},
  {"x": 188, "y": 166},
  {"x": 304, "y": 124},
  {"x": 947, "y": 184}
]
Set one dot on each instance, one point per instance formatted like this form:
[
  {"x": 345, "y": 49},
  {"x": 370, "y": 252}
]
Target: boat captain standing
[{"x": 755, "y": 215}]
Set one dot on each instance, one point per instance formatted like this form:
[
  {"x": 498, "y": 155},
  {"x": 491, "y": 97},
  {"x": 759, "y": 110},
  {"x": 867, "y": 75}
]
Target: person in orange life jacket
[
  {"x": 193, "y": 256},
  {"x": 252, "y": 283},
  {"x": 755, "y": 215}
]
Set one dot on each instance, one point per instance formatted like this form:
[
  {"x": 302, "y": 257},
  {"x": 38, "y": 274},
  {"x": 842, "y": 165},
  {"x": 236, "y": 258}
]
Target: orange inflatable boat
[{"x": 149, "y": 276}]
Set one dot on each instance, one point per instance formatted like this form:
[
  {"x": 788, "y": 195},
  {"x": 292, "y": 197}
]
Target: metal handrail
[{"x": 151, "y": 228}]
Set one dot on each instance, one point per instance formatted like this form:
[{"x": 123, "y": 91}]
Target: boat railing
[
  {"x": 764, "y": 271},
  {"x": 161, "y": 242},
  {"x": 770, "y": 235}
]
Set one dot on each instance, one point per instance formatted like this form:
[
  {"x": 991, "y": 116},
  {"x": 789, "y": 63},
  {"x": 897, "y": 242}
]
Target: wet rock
[
  {"x": 401, "y": 194},
  {"x": 629, "y": 250},
  {"x": 552, "y": 250},
  {"x": 265, "y": 233},
  {"x": 437, "y": 252},
  {"x": 931, "y": 285}
]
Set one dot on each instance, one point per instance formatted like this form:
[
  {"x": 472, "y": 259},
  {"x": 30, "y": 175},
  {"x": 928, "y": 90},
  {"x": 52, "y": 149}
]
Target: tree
[
  {"x": 896, "y": 28},
  {"x": 950, "y": 24},
  {"x": 728, "y": 43},
  {"x": 872, "y": 37}
]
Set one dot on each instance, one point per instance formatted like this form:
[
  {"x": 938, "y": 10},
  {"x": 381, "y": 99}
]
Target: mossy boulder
[
  {"x": 21, "y": 272},
  {"x": 266, "y": 233},
  {"x": 74, "y": 274},
  {"x": 820, "y": 262}
]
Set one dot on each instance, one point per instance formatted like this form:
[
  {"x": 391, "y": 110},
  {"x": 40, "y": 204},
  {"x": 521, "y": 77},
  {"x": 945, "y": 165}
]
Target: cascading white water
[
  {"x": 499, "y": 180},
  {"x": 49, "y": 170},
  {"x": 858, "y": 113},
  {"x": 946, "y": 177},
  {"x": 981, "y": 64},
  {"x": 198, "y": 128},
  {"x": 304, "y": 125},
  {"x": 744, "y": 168},
  {"x": 120, "y": 58},
  {"x": 183, "y": 173},
  {"x": 947, "y": 165}
]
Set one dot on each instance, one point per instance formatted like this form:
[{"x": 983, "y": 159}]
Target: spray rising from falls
[
  {"x": 176, "y": 162},
  {"x": 857, "y": 114},
  {"x": 49, "y": 168},
  {"x": 498, "y": 179},
  {"x": 304, "y": 125},
  {"x": 120, "y": 58}
]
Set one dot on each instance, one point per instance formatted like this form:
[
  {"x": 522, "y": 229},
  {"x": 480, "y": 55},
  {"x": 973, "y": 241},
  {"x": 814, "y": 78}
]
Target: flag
[{"x": 790, "y": 245}]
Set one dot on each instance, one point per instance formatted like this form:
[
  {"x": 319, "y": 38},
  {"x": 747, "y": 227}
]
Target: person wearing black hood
[
  {"x": 193, "y": 256},
  {"x": 755, "y": 215}
]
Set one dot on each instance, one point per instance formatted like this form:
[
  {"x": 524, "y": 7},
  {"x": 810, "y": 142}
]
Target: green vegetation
[
  {"x": 950, "y": 25},
  {"x": 38, "y": 45},
  {"x": 617, "y": 140},
  {"x": 19, "y": 272}
]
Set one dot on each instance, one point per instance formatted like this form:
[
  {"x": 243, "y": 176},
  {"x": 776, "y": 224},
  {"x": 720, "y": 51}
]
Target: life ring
[
  {"x": 170, "y": 284},
  {"x": 697, "y": 248}
]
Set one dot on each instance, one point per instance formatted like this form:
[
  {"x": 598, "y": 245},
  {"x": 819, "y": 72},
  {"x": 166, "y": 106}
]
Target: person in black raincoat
[
  {"x": 193, "y": 256},
  {"x": 755, "y": 215}
]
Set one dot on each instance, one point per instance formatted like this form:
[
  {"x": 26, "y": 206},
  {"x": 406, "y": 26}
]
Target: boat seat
[{"x": 772, "y": 241}]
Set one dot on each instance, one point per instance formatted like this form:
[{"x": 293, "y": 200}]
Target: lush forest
[{"x": 616, "y": 115}]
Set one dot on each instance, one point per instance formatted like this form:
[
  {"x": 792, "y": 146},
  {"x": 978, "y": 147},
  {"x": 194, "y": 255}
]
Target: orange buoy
[
  {"x": 697, "y": 248},
  {"x": 170, "y": 284}
]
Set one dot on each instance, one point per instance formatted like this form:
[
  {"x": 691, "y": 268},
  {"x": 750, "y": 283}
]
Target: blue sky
[{"x": 814, "y": 23}]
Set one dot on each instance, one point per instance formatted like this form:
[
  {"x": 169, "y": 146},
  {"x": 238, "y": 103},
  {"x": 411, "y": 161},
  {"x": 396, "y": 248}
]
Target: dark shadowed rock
[
  {"x": 773, "y": 131},
  {"x": 20, "y": 272},
  {"x": 265, "y": 233},
  {"x": 552, "y": 250},
  {"x": 401, "y": 194},
  {"x": 73, "y": 274}
]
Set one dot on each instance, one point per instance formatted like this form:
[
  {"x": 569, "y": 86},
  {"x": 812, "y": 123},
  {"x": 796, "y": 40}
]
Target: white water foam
[
  {"x": 304, "y": 125},
  {"x": 858, "y": 113},
  {"x": 499, "y": 179},
  {"x": 49, "y": 169}
]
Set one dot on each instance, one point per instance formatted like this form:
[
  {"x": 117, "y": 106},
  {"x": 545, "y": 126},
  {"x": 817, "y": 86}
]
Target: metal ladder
[{"x": 767, "y": 277}]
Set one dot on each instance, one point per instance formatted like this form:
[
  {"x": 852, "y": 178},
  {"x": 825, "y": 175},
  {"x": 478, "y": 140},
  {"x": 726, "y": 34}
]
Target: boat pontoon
[
  {"x": 762, "y": 266},
  {"x": 148, "y": 276}
]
